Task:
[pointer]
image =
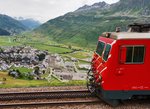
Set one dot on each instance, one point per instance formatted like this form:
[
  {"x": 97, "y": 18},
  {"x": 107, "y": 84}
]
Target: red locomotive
[{"x": 120, "y": 65}]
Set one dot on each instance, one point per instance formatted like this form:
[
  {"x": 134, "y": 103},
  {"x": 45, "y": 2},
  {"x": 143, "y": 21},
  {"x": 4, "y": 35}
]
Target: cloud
[{"x": 42, "y": 10}]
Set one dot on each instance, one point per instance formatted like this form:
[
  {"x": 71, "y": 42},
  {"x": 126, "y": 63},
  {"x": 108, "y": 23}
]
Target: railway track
[
  {"x": 52, "y": 98},
  {"x": 56, "y": 103}
]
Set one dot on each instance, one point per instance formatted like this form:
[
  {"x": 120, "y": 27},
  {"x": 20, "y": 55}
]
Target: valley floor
[{"x": 66, "y": 55}]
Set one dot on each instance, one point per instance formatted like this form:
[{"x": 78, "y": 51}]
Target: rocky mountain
[
  {"x": 83, "y": 26},
  {"x": 11, "y": 25},
  {"x": 100, "y": 5},
  {"x": 30, "y": 23}
]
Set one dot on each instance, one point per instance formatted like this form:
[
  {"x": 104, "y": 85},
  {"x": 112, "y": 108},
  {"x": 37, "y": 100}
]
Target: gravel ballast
[{"x": 42, "y": 89}]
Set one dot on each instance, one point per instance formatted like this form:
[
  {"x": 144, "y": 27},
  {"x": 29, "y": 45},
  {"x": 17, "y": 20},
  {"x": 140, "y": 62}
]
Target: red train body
[{"x": 120, "y": 66}]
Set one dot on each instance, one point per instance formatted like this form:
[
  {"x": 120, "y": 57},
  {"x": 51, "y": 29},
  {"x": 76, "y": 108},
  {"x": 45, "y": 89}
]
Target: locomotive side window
[
  {"x": 129, "y": 54},
  {"x": 106, "y": 53},
  {"x": 135, "y": 54},
  {"x": 100, "y": 48},
  {"x": 138, "y": 54}
]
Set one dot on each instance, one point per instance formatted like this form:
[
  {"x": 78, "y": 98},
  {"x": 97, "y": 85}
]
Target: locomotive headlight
[
  {"x": 100, "y": 77},
  {"x": 96, "y": 72},
  {"x": 91, "y": 78}
]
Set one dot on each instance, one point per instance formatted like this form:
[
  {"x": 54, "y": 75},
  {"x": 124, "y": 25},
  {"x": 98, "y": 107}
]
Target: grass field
[
  {"x": 35, "y": 42},
  {"x": 22, "y": 69},
  {"x": 11, "y": 82},
  {"x": 7, "y": 41},
  {"x": 51, "y": 49},
  {"x": 81, "y": 55}
]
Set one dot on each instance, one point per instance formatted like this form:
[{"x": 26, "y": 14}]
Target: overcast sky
[{"x": 43, "y": 10}]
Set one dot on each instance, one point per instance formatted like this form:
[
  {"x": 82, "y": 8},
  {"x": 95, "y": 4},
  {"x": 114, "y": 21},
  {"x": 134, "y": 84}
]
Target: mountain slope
[
  {"x": 83, "y": 26},
  {"x": 4, "y": 32},
  {"x": 30, "y": 23},
  {"x": 11, "y": 25},
  {"x": 134, "y": 7}
]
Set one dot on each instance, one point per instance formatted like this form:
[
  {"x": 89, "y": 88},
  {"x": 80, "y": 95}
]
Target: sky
[{"x": 43, "y": 10}]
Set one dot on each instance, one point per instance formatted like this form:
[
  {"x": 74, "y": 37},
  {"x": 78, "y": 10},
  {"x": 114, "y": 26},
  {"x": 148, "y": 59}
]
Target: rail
[
  {"x": 58, "y": 103},
  {"x": 45, "y": 95}
]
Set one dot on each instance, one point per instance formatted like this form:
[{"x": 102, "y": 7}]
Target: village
[{"x": 37, "y": 63}]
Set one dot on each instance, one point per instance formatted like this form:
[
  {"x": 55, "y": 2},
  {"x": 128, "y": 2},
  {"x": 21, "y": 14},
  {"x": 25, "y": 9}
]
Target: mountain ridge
[{"x": 101, "y": 5}]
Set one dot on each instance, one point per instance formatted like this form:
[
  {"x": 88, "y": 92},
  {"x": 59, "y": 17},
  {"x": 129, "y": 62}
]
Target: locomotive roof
[{"x": 126, "y": 35}]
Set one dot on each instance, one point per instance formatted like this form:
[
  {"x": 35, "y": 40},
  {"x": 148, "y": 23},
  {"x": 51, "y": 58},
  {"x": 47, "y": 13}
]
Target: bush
[{"x": 19, "y": 75}]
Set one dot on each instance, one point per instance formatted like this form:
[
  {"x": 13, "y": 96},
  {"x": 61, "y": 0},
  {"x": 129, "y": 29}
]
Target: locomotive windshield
[
  {"x": 100, "y": 48},
  {"x": 106, "y": 53}
]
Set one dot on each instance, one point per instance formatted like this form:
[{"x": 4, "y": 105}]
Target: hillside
[
  {"x": 11, "y": 25},
  {"x": 83, "y": 26},
  {"x": 4, "y": 32}
]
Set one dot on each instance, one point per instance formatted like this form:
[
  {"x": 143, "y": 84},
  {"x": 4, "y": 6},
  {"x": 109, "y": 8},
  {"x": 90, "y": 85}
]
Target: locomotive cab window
[
  {"x": 134, "y": 54},
  {"x": 100, "y": 48},
  {"x": 107, "y": 51}
]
